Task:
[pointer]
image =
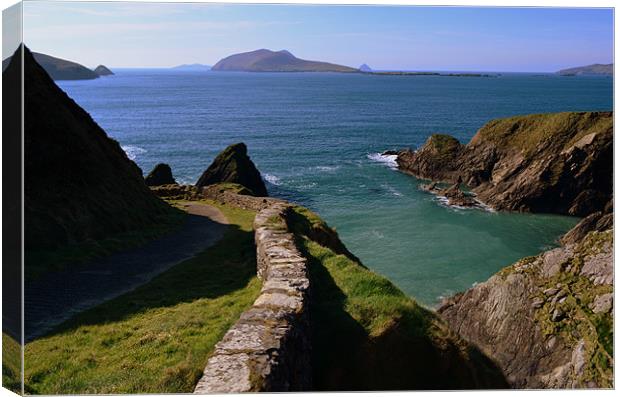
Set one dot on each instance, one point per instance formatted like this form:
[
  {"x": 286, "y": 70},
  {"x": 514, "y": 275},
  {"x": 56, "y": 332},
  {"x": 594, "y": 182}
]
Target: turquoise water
[{"x": 315, "y": 138}]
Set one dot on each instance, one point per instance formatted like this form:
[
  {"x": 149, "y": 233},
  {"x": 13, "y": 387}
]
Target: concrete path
[{"x": 55, "y": 297}]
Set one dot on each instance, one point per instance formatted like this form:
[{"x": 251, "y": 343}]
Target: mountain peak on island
[
  {"x": 596, "y": 69},
  {"x": 102, "y": 70},
  {"x": 365, "y": 68},
  {"x": 264, "y": 60}
]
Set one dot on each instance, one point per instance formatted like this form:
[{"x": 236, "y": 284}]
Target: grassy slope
[
  {"x": 157, "y": 338},
  {"x": 38, "y": 262},
  {"x": 528, "y": 133},
  {"x": 11, "y": 364},
  {"x": 378, "y": 338}
]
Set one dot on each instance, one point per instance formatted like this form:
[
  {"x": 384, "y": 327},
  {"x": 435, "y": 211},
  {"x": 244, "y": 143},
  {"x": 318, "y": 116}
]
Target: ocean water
[{"x": 316, "y": 138}]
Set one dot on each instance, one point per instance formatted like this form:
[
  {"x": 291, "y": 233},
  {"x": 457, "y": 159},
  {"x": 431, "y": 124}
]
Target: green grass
[
  {"x": 533, "y": 132},
  {"x": 377, "y": 337},
  {"x": 41, "y": 262},
  {"x": 157, "y": 338},
  {"x": 11, "y": 364}
]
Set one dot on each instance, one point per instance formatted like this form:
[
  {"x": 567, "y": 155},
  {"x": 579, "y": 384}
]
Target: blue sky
[{"x": 388, "y": 38}]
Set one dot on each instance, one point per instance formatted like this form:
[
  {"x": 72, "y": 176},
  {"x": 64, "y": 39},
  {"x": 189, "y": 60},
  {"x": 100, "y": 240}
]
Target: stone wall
[
  {"x": 268, "y": 348},
  {"x": 219, "y": 194}
]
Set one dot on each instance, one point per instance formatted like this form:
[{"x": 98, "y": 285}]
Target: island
[
  {"x": 596, "y": 69},
  {"x": 264, "y": 60},
  {"x": 103, "y": 71},
  {"x": 193, "y": 67}
]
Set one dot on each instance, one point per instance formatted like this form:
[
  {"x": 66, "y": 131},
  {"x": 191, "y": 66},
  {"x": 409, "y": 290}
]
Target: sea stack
[
  {"x": 160, "y": 175},
  {"x": 234, "y": 166},
  {"x": 103, "y": 71}
]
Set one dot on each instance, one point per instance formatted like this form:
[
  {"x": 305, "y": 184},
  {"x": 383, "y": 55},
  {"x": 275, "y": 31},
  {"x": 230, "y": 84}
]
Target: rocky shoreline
[{"x": 546, "y": 320}]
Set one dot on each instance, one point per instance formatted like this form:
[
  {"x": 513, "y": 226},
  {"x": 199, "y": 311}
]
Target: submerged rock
[
  {"x": 233, "y": 165},
  {"x": 160, "y": 175}
]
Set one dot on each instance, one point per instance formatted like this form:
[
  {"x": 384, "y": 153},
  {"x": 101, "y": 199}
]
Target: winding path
[{"x": 57, "y": 296}]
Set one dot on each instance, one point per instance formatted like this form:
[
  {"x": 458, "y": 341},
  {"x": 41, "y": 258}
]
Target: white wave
[
  {"x": 274, "y": 180},
  {"x": 388, "y": 159},
  {"x": 327, "y": 168},
  {"x": 392, "y": 190},
  {"x": 133, "y": 151}
]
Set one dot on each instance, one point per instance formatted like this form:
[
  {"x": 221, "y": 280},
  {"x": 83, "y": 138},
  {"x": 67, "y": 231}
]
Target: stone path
[{"x": 55, "y": 297}]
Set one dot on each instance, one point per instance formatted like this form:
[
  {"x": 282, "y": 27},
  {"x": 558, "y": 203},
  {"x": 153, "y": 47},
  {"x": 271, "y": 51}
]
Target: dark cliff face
[
  {"x": 546, "y": 320},
  {"x": 234, "y": 166},
  {"x": 79, "y": 184},
  {"x": 555, "y": 163}
]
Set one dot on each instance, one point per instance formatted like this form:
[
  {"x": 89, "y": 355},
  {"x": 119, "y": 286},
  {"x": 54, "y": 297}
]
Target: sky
[{"x": 384, "y": 37}]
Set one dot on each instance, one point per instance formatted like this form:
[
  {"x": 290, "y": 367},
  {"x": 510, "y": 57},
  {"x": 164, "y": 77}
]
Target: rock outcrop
[
  {"x": 234, "y": 166},
  {"x": 555, "y": 163},
  {"x": 160, "y": 175},
  {"x": 80, "y": 183},
  {"x": 275, "y": 61},
  {"x": 546, "y": 320},
  {"x": 103, "y": 71}
]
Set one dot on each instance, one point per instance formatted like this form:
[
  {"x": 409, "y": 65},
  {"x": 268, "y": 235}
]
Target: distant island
[
  {"x": 275, "y": 61},
  {"x": 102, "y": 70},
  {"x": 60, "y": 69},
  {"x": 596, "y": 69},
  {"x": 402, "y": 73},
  {"x": 193, "y": 67},
  {"x": 365, "y": 68}
]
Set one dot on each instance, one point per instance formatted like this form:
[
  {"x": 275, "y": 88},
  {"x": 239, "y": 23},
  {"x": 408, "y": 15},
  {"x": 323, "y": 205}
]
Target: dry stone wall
[{"x": 268, "y": 348}]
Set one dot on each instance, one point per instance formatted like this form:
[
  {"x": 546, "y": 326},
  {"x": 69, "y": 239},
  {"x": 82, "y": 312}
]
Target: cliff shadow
[
  {"x": 413, "y": 351},
  {"x": 227, "y": 266}
]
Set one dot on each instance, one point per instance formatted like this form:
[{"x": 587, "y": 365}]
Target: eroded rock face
[
  {"x": 160, "y": 175},
  {"x": 555, "y": 163},
  {"x": 233, "y": 165},
  {"x": 546, "y": 319}
]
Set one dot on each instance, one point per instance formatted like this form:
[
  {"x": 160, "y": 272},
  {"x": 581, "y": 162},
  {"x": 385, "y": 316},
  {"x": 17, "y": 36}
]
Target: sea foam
[
  {"x": 387, "y": 159},
  {"x": 274, "y": 180},
  {"x": 133, "y": 151}
]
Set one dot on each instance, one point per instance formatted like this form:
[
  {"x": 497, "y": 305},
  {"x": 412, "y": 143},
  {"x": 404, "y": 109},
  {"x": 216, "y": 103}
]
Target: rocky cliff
[
  {"x": 80, "y": 185},
  {"x": 233, "y": 165},
  {"x": 546, "y": 320},
  {"x": 556, "y": 163}
]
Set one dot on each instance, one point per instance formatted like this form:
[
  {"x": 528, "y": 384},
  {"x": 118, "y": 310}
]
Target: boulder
[
  {"x": 234, "y": 166},
  {"x": 160, "y": 175}
]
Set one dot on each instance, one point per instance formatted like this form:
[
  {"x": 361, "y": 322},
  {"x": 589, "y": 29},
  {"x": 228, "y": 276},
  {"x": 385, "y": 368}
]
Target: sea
[{"x": 317, "y": 139}]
